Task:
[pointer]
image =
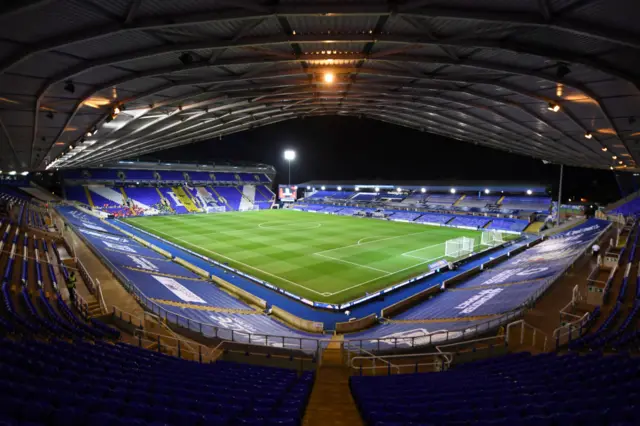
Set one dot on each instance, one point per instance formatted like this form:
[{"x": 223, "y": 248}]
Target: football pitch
[{"x": 324, "y": 258}]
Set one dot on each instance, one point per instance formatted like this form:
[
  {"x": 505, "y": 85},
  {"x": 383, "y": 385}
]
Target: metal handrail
[
  {"x": 116, "y": 310},
  {"x": 466, "y": 342},
  {"x": 101, "y": 301},
  {"x": 446, "y": 356},
  {"x": 535, "y": 330},
  {"x": 142, "y": 333},
  {"x": 373, "y": 356}
]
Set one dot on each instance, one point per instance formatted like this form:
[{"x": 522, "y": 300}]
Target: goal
[
  {"x": 459, "y": 247},
  {"x": 491, "y": 238}
]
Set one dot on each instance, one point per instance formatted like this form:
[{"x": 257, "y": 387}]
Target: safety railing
[
  {"x": 126, "y": 316},
  {"x": 100, "y": 297},
  {"x": 436, "y": 361},
  {"x": 474, "y": 344},
  {"x": 571, "y": 331},
  {"x": 535, "y": 332},
  {"x": 372, "y": 357},
  {"x": 175, "y": 346}
]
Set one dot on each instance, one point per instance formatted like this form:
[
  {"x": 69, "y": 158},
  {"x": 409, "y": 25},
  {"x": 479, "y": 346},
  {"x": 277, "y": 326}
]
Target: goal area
[
  {"x": 459, "y": 247},
  {"x": 491, "y": 238}
]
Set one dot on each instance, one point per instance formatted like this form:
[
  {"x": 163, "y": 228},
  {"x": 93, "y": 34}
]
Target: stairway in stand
[{"x": 331, "y": 402}]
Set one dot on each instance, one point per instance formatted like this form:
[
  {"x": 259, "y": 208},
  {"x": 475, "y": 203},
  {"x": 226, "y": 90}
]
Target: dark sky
[{"x": 349, "y": 148}]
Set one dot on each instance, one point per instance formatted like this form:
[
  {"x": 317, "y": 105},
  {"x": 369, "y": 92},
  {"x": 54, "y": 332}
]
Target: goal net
[
  {"x": 459, "y": 247},
  {"x": 491, "y": 238}
]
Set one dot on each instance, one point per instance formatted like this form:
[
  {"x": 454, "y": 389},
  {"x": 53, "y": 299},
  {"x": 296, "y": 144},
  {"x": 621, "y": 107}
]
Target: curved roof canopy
[{"x": 553, "y": 79}]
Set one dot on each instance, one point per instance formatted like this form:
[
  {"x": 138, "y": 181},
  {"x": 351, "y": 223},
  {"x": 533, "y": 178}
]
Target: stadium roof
[
  {"x": 489, "y": 72},
  {"x": 430, "y": 185}
]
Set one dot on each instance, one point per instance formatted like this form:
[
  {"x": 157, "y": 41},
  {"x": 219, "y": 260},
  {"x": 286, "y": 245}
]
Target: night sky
[{"x": 349, "y": 148}]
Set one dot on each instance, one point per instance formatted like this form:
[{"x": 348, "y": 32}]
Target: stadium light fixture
[
  {"x": 289, "y": 155},
  {"x": 611, "y": 167},
  {"x": 553, "y": 107},
  {"x": 12, "y": 172},
  {"x": 588, "y": 135},
  {"x": 529, "y": 192},
  {"x": 615, "y": 157},
  {"x": 604, "y": 149},
  {"x": 339, "y": 188},
  {"x": 322, "y": 188},
  {"x": 486, "y": 191},
  {"x": 24, "y": 173},
  {"x": 423, "y": 190},
  {"x": 329, "y": 77},
  {"x": 357, "y": 188},
  {"x": 452, "y": 190},
  {"x": 308, "y": 188},
  {"x": 398, "y": 189},
  {"x": 620, "y": 162},
  {"x": 377, "y": 189}
]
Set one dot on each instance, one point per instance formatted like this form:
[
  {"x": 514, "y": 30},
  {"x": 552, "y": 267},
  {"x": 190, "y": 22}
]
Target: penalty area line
[
  {"x": 237, "y": 261},
  {"x": 384, "y": 276}
]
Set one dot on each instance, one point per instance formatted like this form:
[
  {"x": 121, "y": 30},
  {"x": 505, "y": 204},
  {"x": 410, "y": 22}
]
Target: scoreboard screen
[{"x": 287, "y": 193}]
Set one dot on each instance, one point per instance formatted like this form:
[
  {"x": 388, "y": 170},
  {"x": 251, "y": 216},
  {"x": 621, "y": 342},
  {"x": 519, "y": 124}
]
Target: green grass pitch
[{"x": 325, "y": 258}]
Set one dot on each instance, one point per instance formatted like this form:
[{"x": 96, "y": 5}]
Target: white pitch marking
[
  {"x": 237, "y": 261},
  {"x": 384, "y": 276},
  {"x": 351, "y": 263},
  {"x": 369, "y": 242},
  {"x": 406, "y": 253}
]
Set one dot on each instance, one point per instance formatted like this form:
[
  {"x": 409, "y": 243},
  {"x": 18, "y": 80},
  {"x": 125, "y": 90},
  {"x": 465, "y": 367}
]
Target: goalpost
[
  {"x": 491, "y": 238},
  {"x": 459, "y": 247}
]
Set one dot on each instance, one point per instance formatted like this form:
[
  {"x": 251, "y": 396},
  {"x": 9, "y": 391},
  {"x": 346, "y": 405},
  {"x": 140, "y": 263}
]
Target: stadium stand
[
  {"x": 515, "y": 389},
  {"x": 434, "y": 218},
  {"x": 231, "y": 195},
  {"x": 365, "y": 196},
  {"x": 100, "y": 383},
  {"x": 631, "y": 207},
  {"x": 140, "y": 175},
  {"x": 513, "y": 225},
  {"x": 479, "y": 201},
  {"x": 77, "y": 193},
  {"x": 442, "y": 200},
  {"x": 470, "y": 221},
  {"x": 529, "y": 203},
  {"x": 514, "y": 283}
]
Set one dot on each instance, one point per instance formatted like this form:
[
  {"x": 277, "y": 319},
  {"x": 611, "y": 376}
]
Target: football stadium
[{"x": 301, "y": 213}]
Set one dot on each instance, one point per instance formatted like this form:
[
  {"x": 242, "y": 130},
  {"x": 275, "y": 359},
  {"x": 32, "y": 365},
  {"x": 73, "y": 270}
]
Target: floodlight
[
  {"x": 377, "y": 189},
  {"x": 553, "y": 107},
  {"x": 308, "y": 188},
  {"x": 529, "y": 192},
  {"x": 398, "y": 189},
  {"x": 289, "y": 155},
  {"x": 604, "y": 149},
  {"x": 423, "y": 190},
  {"x": 486, "y": 191},
  {"x": 453, "y": 190},
  {"x": 322, "y": 188},
  {"x": 588, "y": 135},
  {"x": 329, "y": 77},
  {"x": 357, "y": 188},
  {"x": 12, "y": 172},
  {"x": 615, "y": 157},
  {"x": 339, "y": 188}
]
